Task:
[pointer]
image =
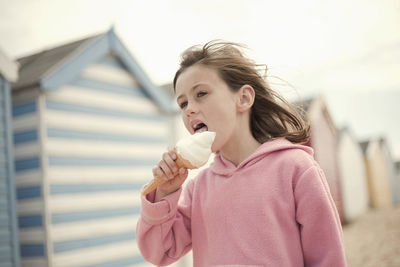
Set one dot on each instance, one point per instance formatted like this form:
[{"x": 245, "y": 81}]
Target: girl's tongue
[{"x": 201, "y": 128}]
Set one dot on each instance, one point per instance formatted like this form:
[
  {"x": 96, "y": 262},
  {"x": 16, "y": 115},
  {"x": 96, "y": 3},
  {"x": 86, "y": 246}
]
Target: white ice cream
[{"x": 196, "y": 148}]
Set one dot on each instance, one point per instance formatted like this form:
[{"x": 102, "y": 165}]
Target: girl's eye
[
  {"x": 201, "y": 93},
  {"x": 183, "y": 104}
]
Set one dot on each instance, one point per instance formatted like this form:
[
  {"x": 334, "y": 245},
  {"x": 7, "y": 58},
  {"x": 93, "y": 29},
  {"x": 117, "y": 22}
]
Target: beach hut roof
[
  {"x": 35, "y": 68},
  {"x": 346, "y": 131},
  {"x": 168, "y": 88},
  {"x": 364, "y": 146},
  {"x": 8, "y": 68},
  {"x": 377, "y": 142},
  {"x": 309, "y": 106},
  {"x": 52, "y": 68}
]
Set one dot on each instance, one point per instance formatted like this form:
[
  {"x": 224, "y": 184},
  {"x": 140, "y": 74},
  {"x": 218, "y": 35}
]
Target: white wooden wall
[{"x": 353, "y": 178}]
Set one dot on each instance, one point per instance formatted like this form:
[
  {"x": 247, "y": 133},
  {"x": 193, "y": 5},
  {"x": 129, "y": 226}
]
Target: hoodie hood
[{"x": 224, "y": 167}]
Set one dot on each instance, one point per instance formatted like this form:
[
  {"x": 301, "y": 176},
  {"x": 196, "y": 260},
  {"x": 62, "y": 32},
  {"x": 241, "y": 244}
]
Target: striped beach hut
[
  {"x": 89, "y": 125},
  {"x": 378, "y": 170},
  {"x": 353, "y": 178},
  {"x": 9, "y": 246},
  {"x": 324, "y": 141}
]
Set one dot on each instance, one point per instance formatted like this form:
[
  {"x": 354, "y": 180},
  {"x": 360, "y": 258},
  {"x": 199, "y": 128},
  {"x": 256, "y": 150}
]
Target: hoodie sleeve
[
  {"x": 320, "y": 227},
  {"x": 163, "y": 230}
]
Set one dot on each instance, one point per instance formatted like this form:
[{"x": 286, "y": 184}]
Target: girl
[{"x": 264, "y": 201}]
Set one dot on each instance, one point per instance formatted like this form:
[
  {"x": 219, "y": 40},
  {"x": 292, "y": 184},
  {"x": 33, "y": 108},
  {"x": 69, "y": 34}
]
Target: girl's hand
[{"x": 168, "y": 170}]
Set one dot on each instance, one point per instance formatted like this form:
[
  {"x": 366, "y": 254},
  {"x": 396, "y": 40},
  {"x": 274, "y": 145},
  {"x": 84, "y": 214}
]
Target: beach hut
[
  {"x": 9, "y": 245},
  {"x": 324, "y": 141},
  {"x": 89, "y": 125},
  {"x": 353, "y": 178},
  {"x": 376, "y": 161},
  {"x": 397, "y": 177},
  {"x": 394, "y": 183}
]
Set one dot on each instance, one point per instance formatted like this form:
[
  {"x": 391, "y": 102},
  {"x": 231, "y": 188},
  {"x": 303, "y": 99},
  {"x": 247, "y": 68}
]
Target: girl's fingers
[
  {"x": 167, "y": 167},
  {"x": 157, "y": 171},
  {"x": 172, "y": 152},
  {"x": 167, "y": 173},
  {"x": 169, "y": 160}
]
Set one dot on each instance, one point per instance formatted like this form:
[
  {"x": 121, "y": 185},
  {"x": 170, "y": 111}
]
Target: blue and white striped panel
[
  {"x": 28, "y": 180},
  {"x": 8, "y": 225},
  {"x": 109, "y": 69},
  {"x": 31, "y": 227},
  {"x": 103, "y": 137},
  {"x": 26, "y": 144}
]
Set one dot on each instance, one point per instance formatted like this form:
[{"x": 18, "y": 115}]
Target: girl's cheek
[{"x": 187, "y": 126}]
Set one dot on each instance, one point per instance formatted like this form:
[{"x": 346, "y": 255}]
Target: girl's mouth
[{"x": 200, "y": 127}]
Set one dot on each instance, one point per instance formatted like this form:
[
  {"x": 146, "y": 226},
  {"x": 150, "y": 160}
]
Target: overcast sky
[{"x": 348, "y": 51}]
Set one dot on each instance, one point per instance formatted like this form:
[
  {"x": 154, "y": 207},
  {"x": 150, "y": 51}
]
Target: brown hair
[{"x": 271, "y": 115}]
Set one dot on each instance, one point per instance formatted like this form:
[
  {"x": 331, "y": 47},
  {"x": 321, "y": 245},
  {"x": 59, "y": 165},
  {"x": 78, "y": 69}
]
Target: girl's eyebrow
[
  {"x": 192, "y": 89},
  {"x": 179, "y": 97}
]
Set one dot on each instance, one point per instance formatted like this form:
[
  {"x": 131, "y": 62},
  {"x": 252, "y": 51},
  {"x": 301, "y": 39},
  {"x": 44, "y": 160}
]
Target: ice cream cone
[
  {"x": 192, "y": 153},
  {"x": 157, "y": 181}
]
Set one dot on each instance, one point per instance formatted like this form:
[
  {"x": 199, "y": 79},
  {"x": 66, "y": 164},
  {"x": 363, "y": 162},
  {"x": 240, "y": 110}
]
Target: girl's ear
[{"x": 246, "y": 96}]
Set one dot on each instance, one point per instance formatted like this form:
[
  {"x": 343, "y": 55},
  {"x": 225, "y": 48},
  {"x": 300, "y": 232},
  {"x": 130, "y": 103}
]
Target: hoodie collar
[{"x": 224, "y": 167}]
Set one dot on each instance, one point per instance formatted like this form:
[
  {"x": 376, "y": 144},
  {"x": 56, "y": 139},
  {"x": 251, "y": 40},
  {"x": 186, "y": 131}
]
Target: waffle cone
[{"x": 157, "y": 181}]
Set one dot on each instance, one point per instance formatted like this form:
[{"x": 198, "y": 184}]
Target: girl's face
[{"x": 207, "y": 104}]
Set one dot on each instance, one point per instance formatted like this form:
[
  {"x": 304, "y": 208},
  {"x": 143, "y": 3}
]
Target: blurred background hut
[
  {"x": 324, "y": 141},
  {"x": 377, "y": 165},
  {"x": 353, "y": 180}
]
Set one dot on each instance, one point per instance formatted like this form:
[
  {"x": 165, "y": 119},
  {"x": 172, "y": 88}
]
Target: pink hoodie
[{"x": 274, "y": 209}]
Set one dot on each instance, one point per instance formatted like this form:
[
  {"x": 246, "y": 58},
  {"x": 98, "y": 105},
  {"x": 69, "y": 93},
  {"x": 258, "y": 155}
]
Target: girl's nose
[{"x": 190, "y": 110}]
